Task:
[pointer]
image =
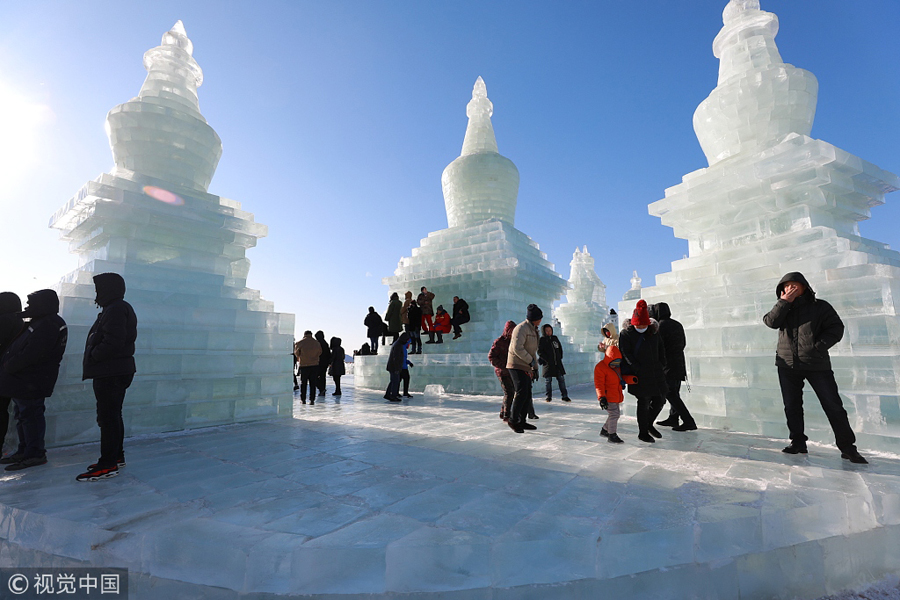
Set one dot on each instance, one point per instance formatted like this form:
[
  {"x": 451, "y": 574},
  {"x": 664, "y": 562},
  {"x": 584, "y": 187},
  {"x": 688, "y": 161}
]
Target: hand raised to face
[{"x": 792, "y": 290}]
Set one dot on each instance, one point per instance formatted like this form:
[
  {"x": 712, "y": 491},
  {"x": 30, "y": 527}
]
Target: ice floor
[{"x": 437, "y": 498}]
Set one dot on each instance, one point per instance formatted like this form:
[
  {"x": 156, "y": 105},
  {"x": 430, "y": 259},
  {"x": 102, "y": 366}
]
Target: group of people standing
[
  {"x": 314, "y": 360},
  {"x": 414, "y": 316},
  {"x": 32, "y": 345}
]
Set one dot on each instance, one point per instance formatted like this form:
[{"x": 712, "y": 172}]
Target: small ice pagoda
[
  {"x": 775, "y": 200},
  {"x": 482, "y": 258},
  {"x": 209, "y": 350},
  {"x": 585, "y": 311}
]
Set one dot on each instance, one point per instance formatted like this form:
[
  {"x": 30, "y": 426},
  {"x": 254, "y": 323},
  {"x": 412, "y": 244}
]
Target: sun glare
[{"x": 20, "y": 122}]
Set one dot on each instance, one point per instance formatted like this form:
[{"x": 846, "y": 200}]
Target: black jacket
[
  {"x": 648, "y": 361},
  {"x": 109, "y": 348},
  {"x": 415, "y": 317},
  {"x": 325, "y": 357},
  {"x": 395, "y": 358},
  {"x": 374, "y": 325},
  {"x": 671, "y": 332},
  {"x": 550, "y": 355},
  {"x": 30, "y": 366},
  {"x": 11, "y": 323},
  {"x": 807, "y": 328},
  {"x": 336, "y": 368},
  {"x": 460, "y": 312}
]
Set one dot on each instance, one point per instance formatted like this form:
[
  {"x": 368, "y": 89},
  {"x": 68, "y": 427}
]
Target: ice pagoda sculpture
[
  {"x": 585, "y": 311},
  {"x": 209, "y": 350},
  {"x": 635, "y": 292},
  {"x": 482, "y": 258},
  {"x": 774, "y": 200}
]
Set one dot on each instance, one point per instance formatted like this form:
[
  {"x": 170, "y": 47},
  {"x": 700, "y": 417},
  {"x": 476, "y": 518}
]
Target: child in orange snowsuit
[{"x": 609, "y": 386}]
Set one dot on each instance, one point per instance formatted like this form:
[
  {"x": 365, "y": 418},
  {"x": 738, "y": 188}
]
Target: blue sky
[{"x": 337, "y": 119}]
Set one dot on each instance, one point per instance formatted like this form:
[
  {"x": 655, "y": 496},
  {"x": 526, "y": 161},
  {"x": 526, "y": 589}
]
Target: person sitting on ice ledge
[{"x": 807, "y": 328}]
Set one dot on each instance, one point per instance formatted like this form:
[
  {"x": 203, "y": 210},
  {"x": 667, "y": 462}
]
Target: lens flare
[{"x": 163, "y": 195}]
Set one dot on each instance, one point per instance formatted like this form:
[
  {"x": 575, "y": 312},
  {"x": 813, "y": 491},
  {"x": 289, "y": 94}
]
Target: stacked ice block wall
[
  {"x": 482, "y": 258},
  {"x": 585, "y": 311},
  {"x": 209, "y": 350},
  {"x": 774, "y": 200}
]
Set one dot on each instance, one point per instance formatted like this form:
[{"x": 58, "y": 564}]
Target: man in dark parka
[
  {"x": 11, "y": 325},
  {"x": 642, "y": 348},
  {"x": 807, "y": 328},
  {"x": 109, "y": 362},
  {"x": 671, "y": 333}
]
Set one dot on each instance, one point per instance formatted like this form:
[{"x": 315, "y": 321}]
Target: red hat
[{"x": 641, "y": 316}]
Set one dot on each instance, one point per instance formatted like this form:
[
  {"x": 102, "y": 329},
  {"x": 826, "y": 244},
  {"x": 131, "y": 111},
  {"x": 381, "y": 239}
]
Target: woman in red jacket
[{"x": 441, "y": 324}]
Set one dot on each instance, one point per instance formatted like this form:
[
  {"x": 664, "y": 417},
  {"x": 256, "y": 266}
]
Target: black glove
[
  {"x": 541, "y": 361},
  {"x": 410, "y": 364},
  {"x": 534, "y": 375},
  {"x": 604, "y": 404}
]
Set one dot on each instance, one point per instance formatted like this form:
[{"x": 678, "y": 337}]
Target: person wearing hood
[
  {"x": 413, "y": 328},
  {"x": 308, "y": 352},
  {"x": 397, "y": 359},
  {"x": 28, "y": 372},
  {"x": 521, "y": 361},
  {"x": 109, "y": 362},
  {"x": 460, "y": 316},
  {"x": 497, "y": 357},
  {"x": 441, "y": 325},
  {"x": 642, "y": 349},
  {"x": 374, "y": 327},
  {"x": 11, "y": 325},
  {"x": 608, "y": 384},
  {"x": 324, "y": 362},
  {"x": 392, "y": 317},
  {"x": 336, "y": 366},
  {"x": 610, "y": 336},
  {"x": 671, "y": 334},
  {"x": 807, "y": 328},
  {"x": 550, "y": 355}
]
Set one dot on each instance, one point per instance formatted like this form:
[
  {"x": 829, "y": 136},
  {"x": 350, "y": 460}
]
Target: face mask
[{"x": 641, "y": 329}]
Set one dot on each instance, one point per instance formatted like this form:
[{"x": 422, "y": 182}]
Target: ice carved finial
[
  {"x": 480, "y": 132},
  {"x": 735, "y": 7},
  {"x": 177, "y": 36}
]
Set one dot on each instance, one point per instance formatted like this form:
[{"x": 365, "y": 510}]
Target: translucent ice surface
[
  {"x": 209, "y": 350},
  {"x": 774, "y": 200}
]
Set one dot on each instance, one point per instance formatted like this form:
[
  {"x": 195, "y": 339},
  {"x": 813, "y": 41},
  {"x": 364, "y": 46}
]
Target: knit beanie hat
[
  {"x": 641, "y": 316},
  {"x": 534, "y": 313}
]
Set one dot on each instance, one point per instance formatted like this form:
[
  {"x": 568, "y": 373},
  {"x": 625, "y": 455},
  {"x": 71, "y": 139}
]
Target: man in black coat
[
  {"x": 460, "y": 315},
  {"x": 550, "y": 357},
  {"x": 28, "y": 372},
  {"x": 807, "y": 328},
  {"x": 414, "y": 327},
  {"x": 324, "y": 362},
  {"x": 671, "y": 333},
  {"x": 11, "y": 325},
  {"x": 109, "y": 362},
  {"x": 642, "y": 349},
  {"x": 395, "y": 363},
  {"x": 374, "y": 328}
]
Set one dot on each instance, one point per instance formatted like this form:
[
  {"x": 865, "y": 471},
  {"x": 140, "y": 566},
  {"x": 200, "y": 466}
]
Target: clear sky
[{"x": 338, "y": 117}]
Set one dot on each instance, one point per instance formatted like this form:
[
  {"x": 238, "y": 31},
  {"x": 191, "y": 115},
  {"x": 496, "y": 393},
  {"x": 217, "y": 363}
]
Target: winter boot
[
  {"x": 654, "y": 432},
  {"x": 685, "y": 427},
  {"x": 646, "y": 437},
  {"x": 672, "y": 421},
  {"x": 795, "y": 448},
  {"x": 34, "y": 461},
  {"x": 604, "y": 432},
  {"x": 430, "y": 337},
  {"x": 854, "y": 456},
  {"x": 615, "y": 439}
]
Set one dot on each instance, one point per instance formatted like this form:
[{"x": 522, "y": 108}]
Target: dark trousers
[
  {"x": 648, "y": 408},
  {"x": 826, "y": 389},
  {"x": 373, "y": 342},
  {"x": 509, "y": 391},
  {"x": 456, "y": 325},
  {"x": 404, "y": 377},
  {"x": 31, "y": 427},
  {"x": 110, "y": 395},
  {"x": 522, "y": 402},
  {"x": 677, "y": 404},
  {"x": 296, "y": 385},
  {"x": 416, "y": 338},
  {"x": 337, "y": 384},
  {"x": 4, "y": 420},
  {"x": 321, "y": 377},
  {"x": 393, "y": 388},
  {"x": 562, "y": 386},
  {"x": 308, "y": 377}
]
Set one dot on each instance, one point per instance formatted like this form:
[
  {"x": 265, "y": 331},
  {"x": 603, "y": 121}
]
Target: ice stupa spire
[
  {"x": 161, "y": 133},
  {"x": 480, "y": 184},
  {"x": 759, "y": 99}
]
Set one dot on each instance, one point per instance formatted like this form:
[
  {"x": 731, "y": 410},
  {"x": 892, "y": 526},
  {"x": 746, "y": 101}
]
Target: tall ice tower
[
  {"x": 774, "y": 200},
  {"x": 209, "y": 350},
  {"x": 482, "y": 258}
]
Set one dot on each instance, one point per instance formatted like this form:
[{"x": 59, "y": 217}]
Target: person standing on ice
[
  {"x": 11, "y": 324},
  {"x": 460, "y": 315},
  {"x": 807, "y": 328},
  {"x": 522, "y": 365},
  {"x": 608, "y": 385},
  {"x": 28, "y": 372},
  {"x": 395, "y": 363},
  {"x": 374, "y": 326},
  {"x": 425, "y": 300},
  {"x": 324, "y": 362},
  {"x": 336, "y": 368},
  {"x": 550, "y": 355},
  {"x": 109, "y": 362},
  {"x": 392, "y": 317},
  {"x": 308, "y": 352},
  {"x": 642, "y": 349},
  {"x": 497, "y": 357},
  {"x": 671, "y": 333},
  {"x": 414, "y": 326}
]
